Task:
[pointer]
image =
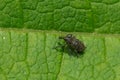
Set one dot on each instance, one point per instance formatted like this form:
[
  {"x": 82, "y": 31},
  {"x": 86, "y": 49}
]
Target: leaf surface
[
  {"x": 26, "y": 49},
  {"x": 29, "y": 55},
  {"x": 100, "y": 16}
]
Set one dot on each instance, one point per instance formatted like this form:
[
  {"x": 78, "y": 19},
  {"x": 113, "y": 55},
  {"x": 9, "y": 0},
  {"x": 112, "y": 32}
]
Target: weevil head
[{"x": 68, "y": 37}]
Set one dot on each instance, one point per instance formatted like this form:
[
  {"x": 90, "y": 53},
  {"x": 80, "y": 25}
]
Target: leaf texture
[
  {"x": 29, "y": 55},
  {"x": 100, "y": 16}
]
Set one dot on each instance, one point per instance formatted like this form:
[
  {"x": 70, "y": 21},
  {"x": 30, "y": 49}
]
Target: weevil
[{"x": 73, "y": 43}]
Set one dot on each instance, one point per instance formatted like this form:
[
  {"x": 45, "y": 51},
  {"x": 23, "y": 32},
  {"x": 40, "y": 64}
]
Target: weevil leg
[
  {"x": 77, "y": 55},
  {"x": 80, "y": 54},
  {"x": 58, "y": 46},
  {"x": 69, "y": 51}
]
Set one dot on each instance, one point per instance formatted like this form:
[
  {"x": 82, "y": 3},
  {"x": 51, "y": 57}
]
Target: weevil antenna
[{"x": 61, "y": 37}]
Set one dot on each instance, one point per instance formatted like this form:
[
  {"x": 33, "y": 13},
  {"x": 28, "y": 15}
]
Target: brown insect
[{"x": 73, "y": 43}]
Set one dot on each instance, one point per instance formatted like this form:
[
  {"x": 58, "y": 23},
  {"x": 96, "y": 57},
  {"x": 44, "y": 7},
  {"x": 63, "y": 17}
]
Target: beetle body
[{"x": 73, "y": 43}]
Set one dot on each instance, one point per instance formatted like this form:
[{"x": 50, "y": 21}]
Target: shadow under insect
[{"x": 71, "y": 45}]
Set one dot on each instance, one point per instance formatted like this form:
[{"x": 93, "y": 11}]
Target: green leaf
[
  {"x": 100, "y": 16},
  {"x": 29, "y": 55}
]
